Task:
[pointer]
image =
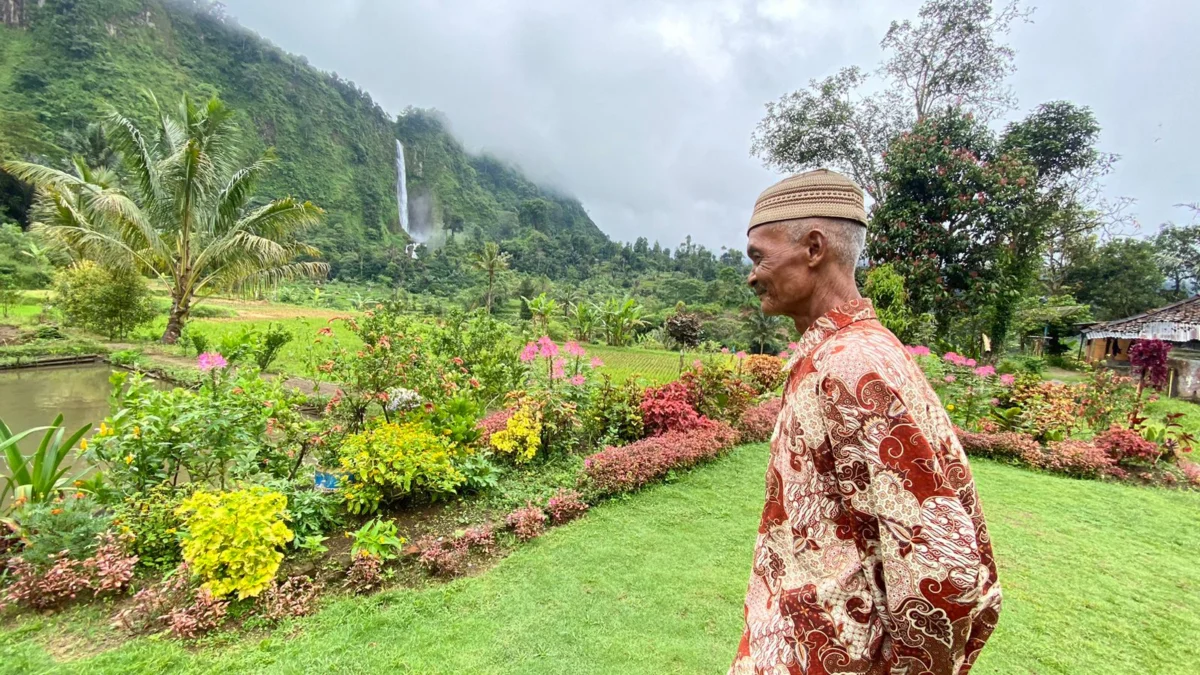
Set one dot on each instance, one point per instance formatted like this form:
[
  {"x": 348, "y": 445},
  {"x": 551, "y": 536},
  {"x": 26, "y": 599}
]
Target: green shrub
[
  {"x": 150, "y": 520},
  {"x": 69, "y": 524},
  {"x": 267, "y": 345},
  {"x": 389, "y": 461},
  {"x": 377, "y": 539},
  {"x": 233, "y": 539},
  {"x": 311, "y": 513},
  {"x": 110, "y": 302}
]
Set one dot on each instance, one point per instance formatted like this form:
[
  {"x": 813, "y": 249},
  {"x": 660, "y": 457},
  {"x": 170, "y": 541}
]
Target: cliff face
[{"x": 66, "y": 63}]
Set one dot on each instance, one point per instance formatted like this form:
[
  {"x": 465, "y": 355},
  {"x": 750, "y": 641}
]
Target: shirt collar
[{"x": 859, "y": 309}]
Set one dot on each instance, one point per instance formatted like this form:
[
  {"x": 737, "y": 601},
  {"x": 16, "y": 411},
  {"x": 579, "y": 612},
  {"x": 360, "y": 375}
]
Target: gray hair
[{"x": 846, "y": 237}]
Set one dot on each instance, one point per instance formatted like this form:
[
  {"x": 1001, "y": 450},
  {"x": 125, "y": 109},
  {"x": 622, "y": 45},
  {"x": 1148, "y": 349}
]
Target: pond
[{"x": 31, "y": 397}]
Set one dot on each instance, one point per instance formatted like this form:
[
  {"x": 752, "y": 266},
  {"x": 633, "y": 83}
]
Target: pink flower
[
  {"x": 547, "y": 347},
  {"x": 697, "y": 364},
  {"x": 951, "y": 357},
  {"x": 572, "y": 348},
  {"x": 785, "y": 355},
  {"x": 995, "y": 401},
  {"x": 970, "y": 363},
  {"x": 1008, "y": 380},
  {"x": 793, "y": 346},
  {"x": 724, "y": 350},
  {"x": 529, "y": 353},
  {"x": 210, "y": 360},
  {"x": 985, "y": 371},
  {"x": 918, "y": 350},
  {"x": 596, "y": 362},
  {"x": 950, "y": 379},
  {"x": 556, "y": 371},
  {"x": 740, "y": 356},
  {"x": 578, "y": 380}
]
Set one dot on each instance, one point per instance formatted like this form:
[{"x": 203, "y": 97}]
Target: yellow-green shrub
[
  {"x": 389, "y": 461},
  {"x": 521, "y": 437},
  {"x": 234, "y": 538}
]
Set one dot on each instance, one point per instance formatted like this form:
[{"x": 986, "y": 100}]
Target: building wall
[{"x": 1186, "y": 367}]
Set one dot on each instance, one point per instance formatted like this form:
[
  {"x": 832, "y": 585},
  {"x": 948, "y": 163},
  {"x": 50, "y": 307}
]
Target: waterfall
[{"x": 401, "y": 187}]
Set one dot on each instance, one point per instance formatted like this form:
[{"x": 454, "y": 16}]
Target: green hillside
[{"x": 64, "y": 63}]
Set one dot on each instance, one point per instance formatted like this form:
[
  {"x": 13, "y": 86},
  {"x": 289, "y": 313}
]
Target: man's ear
[{"x": 816, "y": 245}]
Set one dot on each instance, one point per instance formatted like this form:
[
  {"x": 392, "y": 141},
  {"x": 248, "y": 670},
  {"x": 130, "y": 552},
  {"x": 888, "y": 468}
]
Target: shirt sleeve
[{"x": 920, "y": 548}]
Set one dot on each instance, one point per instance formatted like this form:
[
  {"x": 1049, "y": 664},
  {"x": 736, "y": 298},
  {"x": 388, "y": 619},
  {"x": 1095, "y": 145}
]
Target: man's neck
[{"x": 827, "y": 297}]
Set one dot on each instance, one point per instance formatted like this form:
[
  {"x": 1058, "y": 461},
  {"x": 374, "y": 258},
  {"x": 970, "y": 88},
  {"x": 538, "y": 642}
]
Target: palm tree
[
  {"x": 763, "y": 331},
  {"x": 491, "y": 261},
  {"x": 187, "y": 218}
]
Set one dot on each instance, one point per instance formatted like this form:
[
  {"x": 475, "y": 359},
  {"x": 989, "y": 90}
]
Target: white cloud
[{"x": 644, "y": 110}]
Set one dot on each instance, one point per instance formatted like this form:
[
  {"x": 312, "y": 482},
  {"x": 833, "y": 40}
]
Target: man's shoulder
[{"x": 861, "y": 349}]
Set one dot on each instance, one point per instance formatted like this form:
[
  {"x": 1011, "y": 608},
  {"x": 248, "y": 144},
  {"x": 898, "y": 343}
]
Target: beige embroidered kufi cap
[{"x": 820, "y": 193}]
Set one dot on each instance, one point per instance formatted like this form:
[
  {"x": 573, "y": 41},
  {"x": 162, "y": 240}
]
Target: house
[{"x": 1179, "y": 323}]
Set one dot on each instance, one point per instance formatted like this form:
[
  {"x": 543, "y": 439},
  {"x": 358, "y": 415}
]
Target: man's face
[{"x": 781, "y": 275}]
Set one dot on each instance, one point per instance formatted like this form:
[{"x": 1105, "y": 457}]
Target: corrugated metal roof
[{"x": 1177, "y": 322}]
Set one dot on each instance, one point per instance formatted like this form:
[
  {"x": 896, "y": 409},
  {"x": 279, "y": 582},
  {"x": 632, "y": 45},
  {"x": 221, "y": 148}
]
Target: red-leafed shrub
[
  {"x": 758, "y": 422},
  {"x": 1006, "y": 445},
  {"x": 365, "y": 573},
  {"x": 1077, "y": 458},
  {"x": 107, "y": 571},
  {"x": 482, "y": 537},
  {"x": 527, "y": 523},
  {"x": 668, "y": 408},
  {"x": 151, "y": 605},
  {"x": 565, "y": 506},
  {"x": 492, "y": 423},
  {"x": 443, "y": 558},
  {"x": 295, "y": 597},
  {"x": 1148, "y": 361},
  {"x": 622, "y": 469},
  {"x": 1191, "y": 471},
  {"x": 765, "y": 371},
  {"x": 205, "y": 613},
  {"x": 1126, "y": 445}
]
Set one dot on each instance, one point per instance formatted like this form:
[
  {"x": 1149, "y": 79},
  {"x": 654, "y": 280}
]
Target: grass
[{"x": 1099, "y": 578}]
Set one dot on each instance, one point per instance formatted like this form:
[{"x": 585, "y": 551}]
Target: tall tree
[
  {"x": 956, "y": 224},
  {"x": 1119, "y": 278},
  {"x": 186, "y": 218},
  {"x": 1178, "y": 251},
  {"x": 491, "y": 261},
  {"x": 955, "y": 56}
]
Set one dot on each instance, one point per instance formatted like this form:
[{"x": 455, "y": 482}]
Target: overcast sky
[{"x": 644, "y": 110}]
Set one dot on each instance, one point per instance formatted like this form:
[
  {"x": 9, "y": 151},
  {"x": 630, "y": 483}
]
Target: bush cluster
[
  {"x": 107, "y": 571},
  {"x": 1005, "y": 445},
  {"x": 527, "y": 523},
  {"x": 668, "y": 408},
  {"x": 565, "y": 506},
  {"x": 758, "y": 422},
  {"x": 234, "y": 539},
  {"x": 389, "y": 461},
  {"x": 623, "y": 469}
]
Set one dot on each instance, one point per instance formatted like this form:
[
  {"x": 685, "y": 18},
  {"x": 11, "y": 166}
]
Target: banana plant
[{"x": 39, "y": 477}]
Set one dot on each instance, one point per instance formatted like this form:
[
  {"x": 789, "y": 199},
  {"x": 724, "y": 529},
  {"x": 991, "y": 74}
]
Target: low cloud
[{"x": 644, "y": 110}]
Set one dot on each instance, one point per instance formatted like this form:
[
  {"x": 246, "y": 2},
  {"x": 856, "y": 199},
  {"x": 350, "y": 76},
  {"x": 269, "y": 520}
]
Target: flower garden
[
  {"x": 237, "y": 504},
  {"x": 238, "y": 501}
]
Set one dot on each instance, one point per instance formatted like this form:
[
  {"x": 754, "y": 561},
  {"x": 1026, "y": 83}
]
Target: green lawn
[{"x": 1099, "y": 578}]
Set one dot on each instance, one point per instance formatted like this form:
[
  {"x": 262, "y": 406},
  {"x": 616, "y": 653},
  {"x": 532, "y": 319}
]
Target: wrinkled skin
[{"x": 797, "y": 279}]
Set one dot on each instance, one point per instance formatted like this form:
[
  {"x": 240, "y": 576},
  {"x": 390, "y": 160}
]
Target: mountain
[{"x": 64, "y": 63}]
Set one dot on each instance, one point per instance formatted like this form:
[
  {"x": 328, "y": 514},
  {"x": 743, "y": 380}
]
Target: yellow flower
[
  {"x": 83, "y": 444},
  {"x": 137, "y": 432},
  {"x": 129, "y": 459},
  {"x": 103, "y": 428},
  {"x": 950, "y": 407}
]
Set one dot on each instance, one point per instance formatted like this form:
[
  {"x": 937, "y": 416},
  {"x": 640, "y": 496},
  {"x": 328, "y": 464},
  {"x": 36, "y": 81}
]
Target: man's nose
[{"x": 752, "y": 279}]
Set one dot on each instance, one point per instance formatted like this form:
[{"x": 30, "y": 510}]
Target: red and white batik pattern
[{"x": 872, "y": 554}]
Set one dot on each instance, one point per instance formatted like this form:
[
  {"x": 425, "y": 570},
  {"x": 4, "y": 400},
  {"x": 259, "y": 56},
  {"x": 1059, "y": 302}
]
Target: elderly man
[{"x": 872, "y": 553}]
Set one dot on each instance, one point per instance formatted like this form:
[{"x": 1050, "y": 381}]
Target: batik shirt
[{"x": 872, "y": 554}]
